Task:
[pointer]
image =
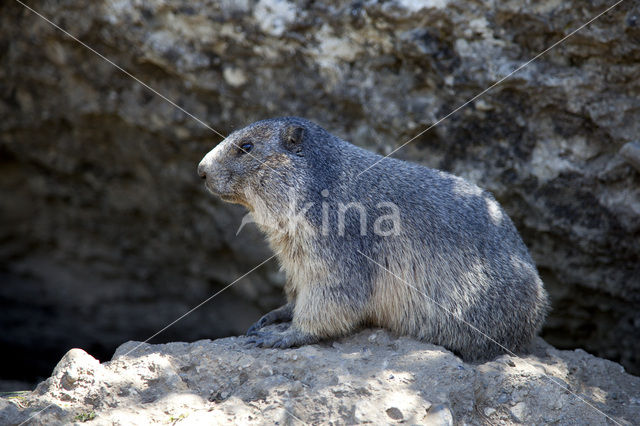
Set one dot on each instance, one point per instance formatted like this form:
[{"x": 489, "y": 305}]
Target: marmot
[{"x": 441, "y": 262}]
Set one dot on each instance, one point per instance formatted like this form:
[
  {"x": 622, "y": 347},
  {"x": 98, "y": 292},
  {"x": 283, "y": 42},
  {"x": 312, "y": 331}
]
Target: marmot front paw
[{"x": 282, "y": 314}]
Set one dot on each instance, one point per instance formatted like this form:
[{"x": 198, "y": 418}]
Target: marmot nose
[{"x": 201, "y": 171}]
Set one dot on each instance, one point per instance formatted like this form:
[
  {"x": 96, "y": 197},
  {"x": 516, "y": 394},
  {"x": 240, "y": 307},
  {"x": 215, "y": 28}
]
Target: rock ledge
[{"x": 369, "y": 377}]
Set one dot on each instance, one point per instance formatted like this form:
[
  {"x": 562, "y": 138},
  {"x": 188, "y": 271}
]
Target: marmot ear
[{"x": 293, "y": 139}]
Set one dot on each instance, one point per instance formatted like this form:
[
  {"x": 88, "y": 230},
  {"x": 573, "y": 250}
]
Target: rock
[
  {"x": 10, "y": 412},
  {"x": 631, "y": 153},
  {"x": 439, "y": 415},
  {"x": 394, "y": 413},
  {"x": 518, "y": 412},
  {"x": 104, "y": 220},
  {"x": 415, "y": 383}
]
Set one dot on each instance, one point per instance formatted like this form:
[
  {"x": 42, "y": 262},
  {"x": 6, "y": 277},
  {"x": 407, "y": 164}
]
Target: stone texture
[
  {"x": 107, "y": 234},
  {"x": 372, "y": 377}
]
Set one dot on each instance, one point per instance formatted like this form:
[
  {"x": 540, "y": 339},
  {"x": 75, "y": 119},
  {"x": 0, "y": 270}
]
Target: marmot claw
[{"x": 253, "y": 330}]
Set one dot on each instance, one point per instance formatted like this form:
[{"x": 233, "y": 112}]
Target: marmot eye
[{"x": 245, "y": 147}]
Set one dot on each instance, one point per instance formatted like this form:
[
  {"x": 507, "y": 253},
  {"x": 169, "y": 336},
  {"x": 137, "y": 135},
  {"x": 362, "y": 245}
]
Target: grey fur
[{"x": 456, "y": 245}]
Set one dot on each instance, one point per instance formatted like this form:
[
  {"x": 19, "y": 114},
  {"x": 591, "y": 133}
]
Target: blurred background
[{"x": 107, "y": 234}]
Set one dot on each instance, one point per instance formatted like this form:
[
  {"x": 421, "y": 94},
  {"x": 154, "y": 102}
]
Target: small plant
[
  {"x": 14, "y": 394},
  {"x": 174, "y": 420},
  {"x": 85, "y": 417},
  {"x": 17, "y": 397}
]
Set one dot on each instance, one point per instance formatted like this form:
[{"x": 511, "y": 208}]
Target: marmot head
[{"x": 258, "y": 163}]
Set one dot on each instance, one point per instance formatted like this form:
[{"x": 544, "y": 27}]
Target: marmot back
[{"x": 401, "y": 246}]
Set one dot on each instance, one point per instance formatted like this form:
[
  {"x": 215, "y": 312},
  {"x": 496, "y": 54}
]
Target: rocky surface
[
  {"x": 371, "y": 377},
  {"x": 106, "y": 234}
]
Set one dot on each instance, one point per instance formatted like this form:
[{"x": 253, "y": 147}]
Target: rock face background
[{"x": 107, "y": 234}]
